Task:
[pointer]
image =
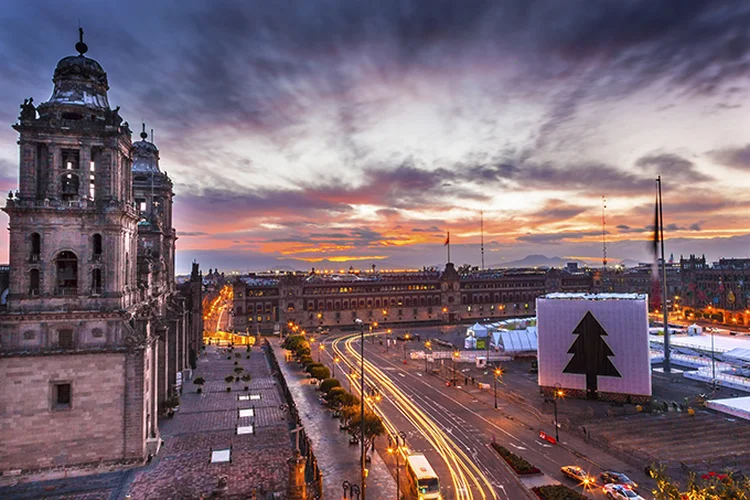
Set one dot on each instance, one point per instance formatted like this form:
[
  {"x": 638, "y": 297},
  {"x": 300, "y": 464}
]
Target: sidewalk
[{"x": 338, "y": 460}]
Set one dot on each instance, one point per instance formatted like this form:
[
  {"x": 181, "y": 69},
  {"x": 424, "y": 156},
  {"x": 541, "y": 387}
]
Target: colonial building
[
  {"x": 93, "y": 333},
  {"x": 718, "y": 292},
  {"x": 428, "y": 296}
]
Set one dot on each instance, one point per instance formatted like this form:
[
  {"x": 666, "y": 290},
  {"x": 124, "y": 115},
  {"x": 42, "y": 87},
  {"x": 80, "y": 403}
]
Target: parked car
[
  {"x": 609, "y": 476},
  {"x": 580, "y": 475},
  {"x": 620, "y": 492}
]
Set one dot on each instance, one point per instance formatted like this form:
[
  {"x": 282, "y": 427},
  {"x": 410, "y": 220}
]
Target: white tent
[
  {"x": 478, "y": 330},
  {"x": 520, "y": 340},
  {"x": 694, "y": 330}
]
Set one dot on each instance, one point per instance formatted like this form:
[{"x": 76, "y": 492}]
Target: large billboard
[{"x": 594, "y": 345}]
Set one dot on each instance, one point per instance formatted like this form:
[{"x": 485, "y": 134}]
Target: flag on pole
[
  {"x": 655, "y": 242},
  {"x": 447, "y": 239},
  {"x": 655, "y": 283}
]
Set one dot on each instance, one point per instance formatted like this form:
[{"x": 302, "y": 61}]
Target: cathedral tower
[{"x": 77, "y": 348}]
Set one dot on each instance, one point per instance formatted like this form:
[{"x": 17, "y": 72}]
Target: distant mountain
[{"x": 538, "y": 261}]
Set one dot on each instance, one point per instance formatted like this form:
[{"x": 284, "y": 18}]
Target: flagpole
[
  {"x": 667, "y": 368},
  {"x": 449, "y": 246},
  {"x": 481, "y": 224}
]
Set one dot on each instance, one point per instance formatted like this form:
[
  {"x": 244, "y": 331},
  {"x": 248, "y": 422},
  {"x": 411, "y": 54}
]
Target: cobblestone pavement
[
  {"x": 337, "y": 459},
  {"x": 208, "y": 421}
]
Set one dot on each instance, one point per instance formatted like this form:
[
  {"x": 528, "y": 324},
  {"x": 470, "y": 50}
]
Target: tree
[
  {"x": 309, "y": 367},
  {"x": 373, "y": 427},
  {"x": 320, "y": 372},
  {"x": 591, "y": 354},
  {"x": 348, "y": 411},
  {"x": 335, "y": 396},
  {"x": 292, "y": 341},
  {"x": 712, "y": 486},
  {"x": 328, "y": 384}
]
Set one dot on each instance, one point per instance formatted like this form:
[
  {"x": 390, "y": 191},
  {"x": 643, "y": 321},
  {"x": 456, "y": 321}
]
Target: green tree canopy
[
  {"x": 320, "y": 372},
  {"x": 710, "y": 486},
  {"x": 328, "y": 384},
  {"x": 373, "y": 427}
]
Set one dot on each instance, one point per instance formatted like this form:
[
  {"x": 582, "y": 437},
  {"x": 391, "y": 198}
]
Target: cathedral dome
[
  {"x": 145, "y": 155},
  {"x": 80, "y": 80}
]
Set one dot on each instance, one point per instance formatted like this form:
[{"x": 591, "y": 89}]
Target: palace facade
[{"x": 313, "y": 300}]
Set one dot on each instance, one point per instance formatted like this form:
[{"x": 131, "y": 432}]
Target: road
[{"x": 453, "y": 429}]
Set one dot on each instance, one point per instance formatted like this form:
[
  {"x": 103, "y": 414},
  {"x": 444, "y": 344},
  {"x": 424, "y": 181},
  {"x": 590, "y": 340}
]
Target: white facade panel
[{"x": 625, "y": 322}]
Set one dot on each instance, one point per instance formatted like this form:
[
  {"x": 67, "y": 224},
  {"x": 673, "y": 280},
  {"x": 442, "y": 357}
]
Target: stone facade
[
  {"x": 433, "y": 297},
  {"x": 93, "y": 332}
]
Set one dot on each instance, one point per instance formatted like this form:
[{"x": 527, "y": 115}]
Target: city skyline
[{"x": 336, "y": 134}]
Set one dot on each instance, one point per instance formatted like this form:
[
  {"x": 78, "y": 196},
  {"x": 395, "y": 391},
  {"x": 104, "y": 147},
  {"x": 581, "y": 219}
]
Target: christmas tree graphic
[{"x": 591, "y": 354}]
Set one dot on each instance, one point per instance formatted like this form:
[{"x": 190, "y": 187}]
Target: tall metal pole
[
  {"x": 494, "y": 378},
  {"x": 667, "y": 368},
  {"x": 362, "y": 403},
  {"x": 713, "y": 361},
  {"x": 557, "y": 438}
]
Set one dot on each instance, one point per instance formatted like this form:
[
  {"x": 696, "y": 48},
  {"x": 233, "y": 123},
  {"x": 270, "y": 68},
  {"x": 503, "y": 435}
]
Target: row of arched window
[
  {"x": 66, "y": 267},
  {"x": 35, "y": 242}
]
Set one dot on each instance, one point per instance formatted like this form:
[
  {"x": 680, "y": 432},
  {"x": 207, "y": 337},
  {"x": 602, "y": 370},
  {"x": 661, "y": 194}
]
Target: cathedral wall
[{"x": 89, "y": 429}]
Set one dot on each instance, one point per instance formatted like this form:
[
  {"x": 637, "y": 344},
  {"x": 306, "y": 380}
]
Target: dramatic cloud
[{"x": 353, "y": 129}]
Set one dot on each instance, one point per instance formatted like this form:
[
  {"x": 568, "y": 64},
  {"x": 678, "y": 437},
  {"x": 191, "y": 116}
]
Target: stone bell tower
[{"x": 75, "y": 336}]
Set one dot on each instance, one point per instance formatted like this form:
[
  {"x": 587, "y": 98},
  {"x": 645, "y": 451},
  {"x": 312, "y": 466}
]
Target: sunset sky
[{"x": 319, "y": 133}]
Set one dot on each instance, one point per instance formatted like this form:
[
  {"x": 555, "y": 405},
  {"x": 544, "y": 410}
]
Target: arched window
[
  {"x": 36, "y": 246},
  {"x": 67, "y": 273},
  {"x": 69, "y": 187},
  {"x": 238, "y": 311},
  {"x": 96, "y": 244},
  {"x": 96, "y": 281},
  {"x": 34, "y": 282}
]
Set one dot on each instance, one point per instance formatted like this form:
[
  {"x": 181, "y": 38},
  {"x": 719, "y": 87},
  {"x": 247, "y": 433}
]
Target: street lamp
[
  {"x": 496, "y": 373},
  {"x": 558, "y": 394},
  {"x": 321, "y": 348},
  {"x": 335, "y": 362},
  {"x": 455, "y": 356},
  {"x": 427, "y": 345},
  {"x": 395, "y": 442},
  {"x": 362, "y": 402}
]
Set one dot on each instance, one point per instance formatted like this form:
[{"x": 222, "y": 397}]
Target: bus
[{"x": 423, "y": 482}]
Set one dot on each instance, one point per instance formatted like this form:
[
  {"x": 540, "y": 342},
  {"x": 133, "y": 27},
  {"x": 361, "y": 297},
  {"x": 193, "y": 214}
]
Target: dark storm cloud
[
  {"x": 738, "y": 158},
  {"x": 677, "y": 168},
  {"x": 589, "y": 176}
]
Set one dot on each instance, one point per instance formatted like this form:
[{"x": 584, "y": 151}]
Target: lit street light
[
  {"x": 395, "y": 442},
  {"x": 321, "y": 348},
  {"x": 362, "y": 402},
  {"x": 498, "y": 371},
  {"x": 455, "y": 356},
  {"x": 333, "y": 365},
  {"x": 427, "y": 345},
  {"x": 558, "y": 394}
]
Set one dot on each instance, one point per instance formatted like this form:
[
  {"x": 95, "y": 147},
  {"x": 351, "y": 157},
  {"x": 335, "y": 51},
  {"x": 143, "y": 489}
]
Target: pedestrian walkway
[{"x": 338, "y": 460}]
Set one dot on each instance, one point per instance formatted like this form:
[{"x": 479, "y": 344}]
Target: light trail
[{"x": 462, "y": 469}]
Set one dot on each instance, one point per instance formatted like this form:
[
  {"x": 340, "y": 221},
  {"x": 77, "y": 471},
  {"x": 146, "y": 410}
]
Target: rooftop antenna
[
  {"x": 152, "y": 136},
  {"x": 604, "y": 231},
  {"x": 481, "y": 227}
]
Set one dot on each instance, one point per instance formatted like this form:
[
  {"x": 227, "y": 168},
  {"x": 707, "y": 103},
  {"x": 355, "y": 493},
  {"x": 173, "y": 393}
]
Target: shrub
[
  {"x": 247, "y": 388},
  {"x": 237, "y": 355},
  {"x": 320, "y": 372},
  {"x": 519, "y": 464},
  {"x": 236, "y": 363},
  {"x": 229, "y": 379},
  {"x": 246, "y": 377},
  {"x": 238, "y": 369},
  {"x": 247, "y": 357},
  {"x": 335, "y": 396},
  {"x": 200, "y": 390},
  {"x": 305, "y": 360},
  {"x": 229, "y": 357},
  {"x": 199, "y": 381},
  {"x": 328, "y": 384},
  {"x": 229, "y": 389},
  {"x": 303, "y": 350},
  {"x": 557, "y": 492},
  {"x": 309, "y": 367}
]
